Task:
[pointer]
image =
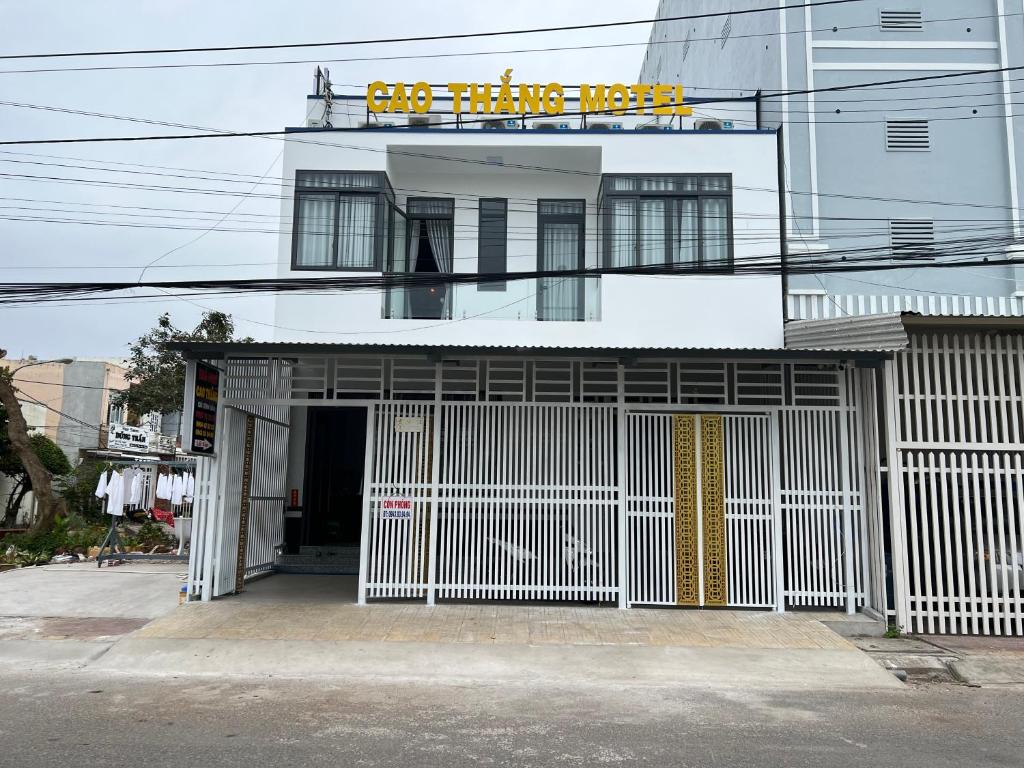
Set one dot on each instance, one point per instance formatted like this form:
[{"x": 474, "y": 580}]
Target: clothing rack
[{"x": 148, "y": 499}]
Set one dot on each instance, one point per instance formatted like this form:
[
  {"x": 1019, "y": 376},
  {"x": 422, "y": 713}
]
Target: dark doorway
[{"x": 333, "y": 493}]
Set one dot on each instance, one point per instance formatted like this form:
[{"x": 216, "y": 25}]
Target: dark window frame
[
  {"x": 495, "y": 286},
  {"x": 605, "y": 212},
  {"x": 387, "y": 310},
  {"x": 384, "y": 195},
  {"x": 554, "y": 218}
]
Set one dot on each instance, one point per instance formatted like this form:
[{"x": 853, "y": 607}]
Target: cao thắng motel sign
[{"x": 529, "y": 98}]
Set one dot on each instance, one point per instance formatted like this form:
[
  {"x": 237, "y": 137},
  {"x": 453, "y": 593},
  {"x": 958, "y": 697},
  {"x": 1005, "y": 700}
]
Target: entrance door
[
  {"x": 335, "y": 453},
  {"x": 700, "y": 516}
]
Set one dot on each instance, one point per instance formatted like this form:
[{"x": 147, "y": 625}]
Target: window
[
  {"x": 492, "y": 240},
  {"x": 674, "y": 220},
  {"x": 339, "y": 220},
  {"x": 907, "y": 135},
  {"x": 901, "y": 21},
  {"x": 427, "y": 246},
  {"x": 560, "y": 231}
]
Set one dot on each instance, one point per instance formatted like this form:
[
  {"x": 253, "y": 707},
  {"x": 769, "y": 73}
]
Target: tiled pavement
[{"x": 293, "y": 615}]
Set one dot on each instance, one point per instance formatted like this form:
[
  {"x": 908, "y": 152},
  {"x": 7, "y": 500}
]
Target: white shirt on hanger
[
  {"x": 135, "y": 497},
  {"x": 163, "y": 490},
  {"x": 115, "y": 494},
  {"x": 101, "y": 486},
  {"x": 177, "y": 490},
  {"x": 190, "y": 487}
]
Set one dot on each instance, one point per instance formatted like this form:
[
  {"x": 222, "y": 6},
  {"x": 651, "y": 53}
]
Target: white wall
[{"x": 635, "y": 311}]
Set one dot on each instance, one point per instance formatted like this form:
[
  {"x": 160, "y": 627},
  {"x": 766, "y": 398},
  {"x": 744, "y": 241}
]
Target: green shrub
[
  {"x": 79, "y": 487},
  {"x": 69, "y": 535}
]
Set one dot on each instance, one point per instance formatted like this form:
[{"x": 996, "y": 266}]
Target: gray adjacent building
[{"x": 929, "y": 167}]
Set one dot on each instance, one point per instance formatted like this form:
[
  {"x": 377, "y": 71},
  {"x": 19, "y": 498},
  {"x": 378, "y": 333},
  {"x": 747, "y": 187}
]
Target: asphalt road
[{"x": 82, "y": 719}]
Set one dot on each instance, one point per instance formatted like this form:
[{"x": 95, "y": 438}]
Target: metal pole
[
  {"x": 364, "y": 532},
  {"x": 620, "y": 460}
]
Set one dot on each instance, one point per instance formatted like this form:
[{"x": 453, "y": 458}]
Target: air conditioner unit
[
  {"x": 654, "y": 127},
  {"x": 314, "y": 123},
  {"x": 551, "y": 126},
  {"x": 708, "y": 125},
  {"x": 374, "y": 124},
  {"x": 499, "y": 125},
  {"x": 424, "y": 121},
  {"x": 604, "y": 126}
]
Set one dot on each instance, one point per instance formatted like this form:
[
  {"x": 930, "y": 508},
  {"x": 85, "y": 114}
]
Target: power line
[
  {"x": 863, "y": 259},
  {"x": 65, "y": 384},
  {"x": 463, "y": 54},
  {"x": 421, "y": 38},
  {"x": 215, "y": 133}
]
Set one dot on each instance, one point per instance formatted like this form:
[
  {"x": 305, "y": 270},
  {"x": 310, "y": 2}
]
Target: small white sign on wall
[
  {"x": 408, "y": 424},
  {"x": 396, "y": 508}
]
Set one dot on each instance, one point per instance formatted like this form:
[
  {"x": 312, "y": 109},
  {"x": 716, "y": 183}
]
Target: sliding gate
[{"x": 516, "y": 501}]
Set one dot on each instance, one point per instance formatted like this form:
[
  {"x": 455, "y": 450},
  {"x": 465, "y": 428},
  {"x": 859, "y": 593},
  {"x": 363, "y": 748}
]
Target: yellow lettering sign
[{"x": 530, "y": 98}]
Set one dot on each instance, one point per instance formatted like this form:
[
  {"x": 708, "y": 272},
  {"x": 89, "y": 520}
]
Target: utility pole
[{"x": 50, "y": 504}]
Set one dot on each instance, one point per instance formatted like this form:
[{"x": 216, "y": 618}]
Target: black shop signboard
[{"x": 202, "y": 386}]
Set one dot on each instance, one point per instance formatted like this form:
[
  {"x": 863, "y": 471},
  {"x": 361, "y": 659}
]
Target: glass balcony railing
[{"x": 574, "y": 299}]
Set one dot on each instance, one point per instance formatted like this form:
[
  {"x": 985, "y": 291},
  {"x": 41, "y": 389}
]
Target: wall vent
[
  {"x": 726, "y": 30},
  {"x": 907, "y": 135},
  {"x": 901, "y": 21},
  {"x": 911, "y": 236},
  {"x": 685, "y": 50}
]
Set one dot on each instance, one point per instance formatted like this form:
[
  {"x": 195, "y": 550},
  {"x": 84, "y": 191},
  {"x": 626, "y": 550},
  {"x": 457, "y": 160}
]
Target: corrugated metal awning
[
  {"x": 213, "y": 350},
  {"x": 865, "y": 333}
]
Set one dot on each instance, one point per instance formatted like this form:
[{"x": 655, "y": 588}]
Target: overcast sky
[{"x": 232, "y": 98}]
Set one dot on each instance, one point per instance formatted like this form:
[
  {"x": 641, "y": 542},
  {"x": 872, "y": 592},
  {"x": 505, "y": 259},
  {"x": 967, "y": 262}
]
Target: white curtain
[
  {"x": 356, "y": 226},
  {"x": 315, "y": 222},
  {"x": 652, "y": 232},
  {"x": 405, "y": 261},
  {"x": 684, "y": 233},
  {"x": 559, "y": 296},
  {"x": 623, "y": 232},
  {"x": 715, "y": 222},
  {"x": 439, "y": 233}
]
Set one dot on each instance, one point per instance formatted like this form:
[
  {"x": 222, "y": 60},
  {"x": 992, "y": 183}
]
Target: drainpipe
[{"x": 783, "y": 248}]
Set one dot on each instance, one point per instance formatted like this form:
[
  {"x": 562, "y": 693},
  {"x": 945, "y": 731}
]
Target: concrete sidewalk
[
  {"x": 68, "y": 615},
  {"x": 300, "y": 626}
]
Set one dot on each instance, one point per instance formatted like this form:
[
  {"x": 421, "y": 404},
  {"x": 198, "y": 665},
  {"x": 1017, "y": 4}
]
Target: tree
[
  {"x": 51, "y": 505},
  {"x": 156, "y": 375},
  {"x": 49, "y": 453}
]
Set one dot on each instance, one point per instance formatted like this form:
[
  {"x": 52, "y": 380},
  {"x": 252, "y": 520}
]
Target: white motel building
[{"x": 620, "y": 439}]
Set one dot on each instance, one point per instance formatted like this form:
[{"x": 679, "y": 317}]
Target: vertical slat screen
[
  {"x": 527, "y": 502},
  {"x": 959, "y": 418},
  {"x": 650, "y": 509},
  {"x": 401, "y": 467},
  {"x": 812, "y": 508},
  {"x": 748, "y": 511}
]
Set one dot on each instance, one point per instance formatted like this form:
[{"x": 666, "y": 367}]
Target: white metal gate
[
  {"x": 399, "y": 455},
  {"x": 527, "y": 502},
  {"x": 956, "y": 448},
  {"x": 267, "y": 496},
  {"x": 750, "y": 515},
  {"x": 821, "y": 508}
]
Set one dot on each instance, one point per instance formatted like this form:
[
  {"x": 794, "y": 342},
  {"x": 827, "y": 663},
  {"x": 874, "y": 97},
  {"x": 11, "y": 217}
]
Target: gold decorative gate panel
[{"x": 700, "y": 529}]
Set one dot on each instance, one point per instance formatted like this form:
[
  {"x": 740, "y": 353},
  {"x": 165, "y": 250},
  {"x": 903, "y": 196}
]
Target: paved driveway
[{"x": 71, "y": 614}]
